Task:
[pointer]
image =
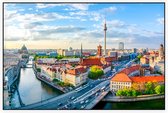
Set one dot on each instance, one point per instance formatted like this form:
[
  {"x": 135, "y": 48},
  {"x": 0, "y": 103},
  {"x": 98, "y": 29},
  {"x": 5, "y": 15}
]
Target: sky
[{"x": 54, "y": 26}]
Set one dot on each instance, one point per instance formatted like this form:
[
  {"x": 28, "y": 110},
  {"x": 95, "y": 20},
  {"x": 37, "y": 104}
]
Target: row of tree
[
  {"x": 139, "y": 89},
  {"x": 56, "y": 57}
]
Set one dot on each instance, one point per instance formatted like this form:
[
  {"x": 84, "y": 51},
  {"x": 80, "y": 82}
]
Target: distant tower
[
  {"x": 99, "y": 50},
  {"x": 121, "y": 46},
  {"x": 81, "y": 55},
  {"x": 105, "y": 29},
  {"x": 161, "y": 52}
]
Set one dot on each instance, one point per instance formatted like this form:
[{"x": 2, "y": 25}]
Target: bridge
[{"x": 84, "y": 97}]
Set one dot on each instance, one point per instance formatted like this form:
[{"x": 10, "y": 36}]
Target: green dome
[{"x": 23, "y": 48}]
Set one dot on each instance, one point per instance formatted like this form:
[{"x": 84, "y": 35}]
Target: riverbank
[
  {"x": 48, "y": 82},
  {"x": 111, "y": 98}
]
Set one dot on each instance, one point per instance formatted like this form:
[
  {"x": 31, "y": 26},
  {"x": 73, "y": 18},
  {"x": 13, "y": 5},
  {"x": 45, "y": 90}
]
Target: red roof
[
  {"x": 121, "y": 77},
  {"x": 148, "y": 78},
  {"x": 76, "y": 71},
  {"x": 91, "y": 61},
  {"x": 86, "y": 53},
  {"x": 130, "y": 69}
]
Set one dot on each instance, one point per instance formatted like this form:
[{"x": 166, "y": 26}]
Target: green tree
[
  {"x": 95, "y": 72},
  {"x": 158, "y": 89},
  {"x": 149, "y": 89},
  {"x": 139, "y": 56},
  {"x": 128, "y": 92},
  {"x": 119, "y": 93},
  {"x": 162, "y": 88},
  {"x": 134, "y": 93},
  {"x": 38, "y": 69}
]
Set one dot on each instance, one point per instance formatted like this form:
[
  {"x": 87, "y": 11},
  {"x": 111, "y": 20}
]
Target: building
[
  {"x": 121, "y": 46},
  {"x": 76, "y": 76},
  {"x": 23, "y": 50},
  {"x": 161, "y": 52},
  {"x": 60, "y": 52},
  {"x": 112, "y": 54},
  {"x": 99, "y": 50},
  {"x": 65, "y": 73},
  {"x": 91, "y": 61},
  {"x": 53, "y": 54},
  {"x": 124, "y": 78},
  {"x": 144, "y": 59},
  {"x": 134, "y": 50},
  {"x": 68, "y": 53},
  {"x": 47, "y": 61},
  {"x": 70, "y": 49},
  {"x": 41, "y": 53}
]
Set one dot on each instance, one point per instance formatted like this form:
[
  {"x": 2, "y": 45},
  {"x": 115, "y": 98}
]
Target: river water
[
  {"x": 31, "y": 89},
  {"x": 158, "y": 104}
]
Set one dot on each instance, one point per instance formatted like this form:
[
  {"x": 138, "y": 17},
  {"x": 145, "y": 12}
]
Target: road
[{"x": 57, "y": 102}]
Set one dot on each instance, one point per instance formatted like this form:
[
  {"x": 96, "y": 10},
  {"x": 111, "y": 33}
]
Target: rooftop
[
  {"x": 148, "y": 78},
  {"x": 121, "y": 77}
]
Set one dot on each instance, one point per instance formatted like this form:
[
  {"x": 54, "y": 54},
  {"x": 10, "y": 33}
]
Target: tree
[
  {"x": 149, "y": 89},
  {"x": 162, "y": 88},
  {"x": 119, "y": 93},
  {"x": 135, "y": 86},
  {"x": 128, "y": 92},
  {"x": 95, "y": 72},
  {"x": 134, "y": 93},
  {"x": 38, "y": 69},
  {"x": 158, "y": 89},
  {"x": 139, "y": 56}
]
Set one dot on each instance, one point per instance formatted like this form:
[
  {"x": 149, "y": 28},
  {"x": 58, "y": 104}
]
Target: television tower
[{"x": 105, "y": 29}]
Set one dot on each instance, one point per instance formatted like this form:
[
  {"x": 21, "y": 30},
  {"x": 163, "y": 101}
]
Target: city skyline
[{"x": 55, "y": 26}]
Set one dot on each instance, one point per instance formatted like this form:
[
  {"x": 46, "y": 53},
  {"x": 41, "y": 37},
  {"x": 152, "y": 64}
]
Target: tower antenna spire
[{"x": 105, "y": 29}]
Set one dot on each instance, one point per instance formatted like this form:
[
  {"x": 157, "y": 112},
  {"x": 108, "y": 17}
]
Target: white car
[
  {"x": 83, "y": 106},
  {"x": 86, "y": 101},
  {"x": 82, "y": 102}
]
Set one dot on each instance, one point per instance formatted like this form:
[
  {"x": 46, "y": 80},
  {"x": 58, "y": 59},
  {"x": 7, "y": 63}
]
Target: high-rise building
[
  {"x": 99, "y": 50},
  {"x": 121, "y": 46},
  {"x": 134, "y": 50},
  {"x": 161, "y": 52},
  {"x": 105, "y": 29}
]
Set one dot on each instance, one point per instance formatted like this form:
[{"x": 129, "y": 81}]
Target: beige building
[{"x": 76, "y": 76}]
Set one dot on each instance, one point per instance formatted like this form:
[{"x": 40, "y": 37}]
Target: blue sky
[{"x": 64, "y": 25}]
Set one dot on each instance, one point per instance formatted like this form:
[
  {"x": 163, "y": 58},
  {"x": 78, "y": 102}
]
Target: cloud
[
  {"x": 160, "y": 20},
  {"x": 80, "y": 6},
  {"x": 62, "y": 29},
  {"x": 41, "y": 6},
  {"x": 109, "y": 10},
  {"x": 80, "y": 13},
  {"x": 32, "y": 25}
]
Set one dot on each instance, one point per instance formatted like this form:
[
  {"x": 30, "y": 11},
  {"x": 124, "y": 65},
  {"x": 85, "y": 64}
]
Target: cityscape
[{"x": 83, "y": 56}]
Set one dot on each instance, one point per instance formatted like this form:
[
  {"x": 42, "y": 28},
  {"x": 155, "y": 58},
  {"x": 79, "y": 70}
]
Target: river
[
  {"x": 31, "y": 89},
  {"x": 158, "y": 104}
]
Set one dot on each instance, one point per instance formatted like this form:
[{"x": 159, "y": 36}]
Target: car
[
  {"x": 97, "y": 94},
  {"x": 82, "y": 102},
  {"x": 83, "y": 106},
  {"x": 86, "y": 101},
  {"x": 59, "y": 104},
  {"x": 72, "y": 98}
]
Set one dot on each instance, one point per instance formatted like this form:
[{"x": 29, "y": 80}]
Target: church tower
[{"x": 99, "y": 50}]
